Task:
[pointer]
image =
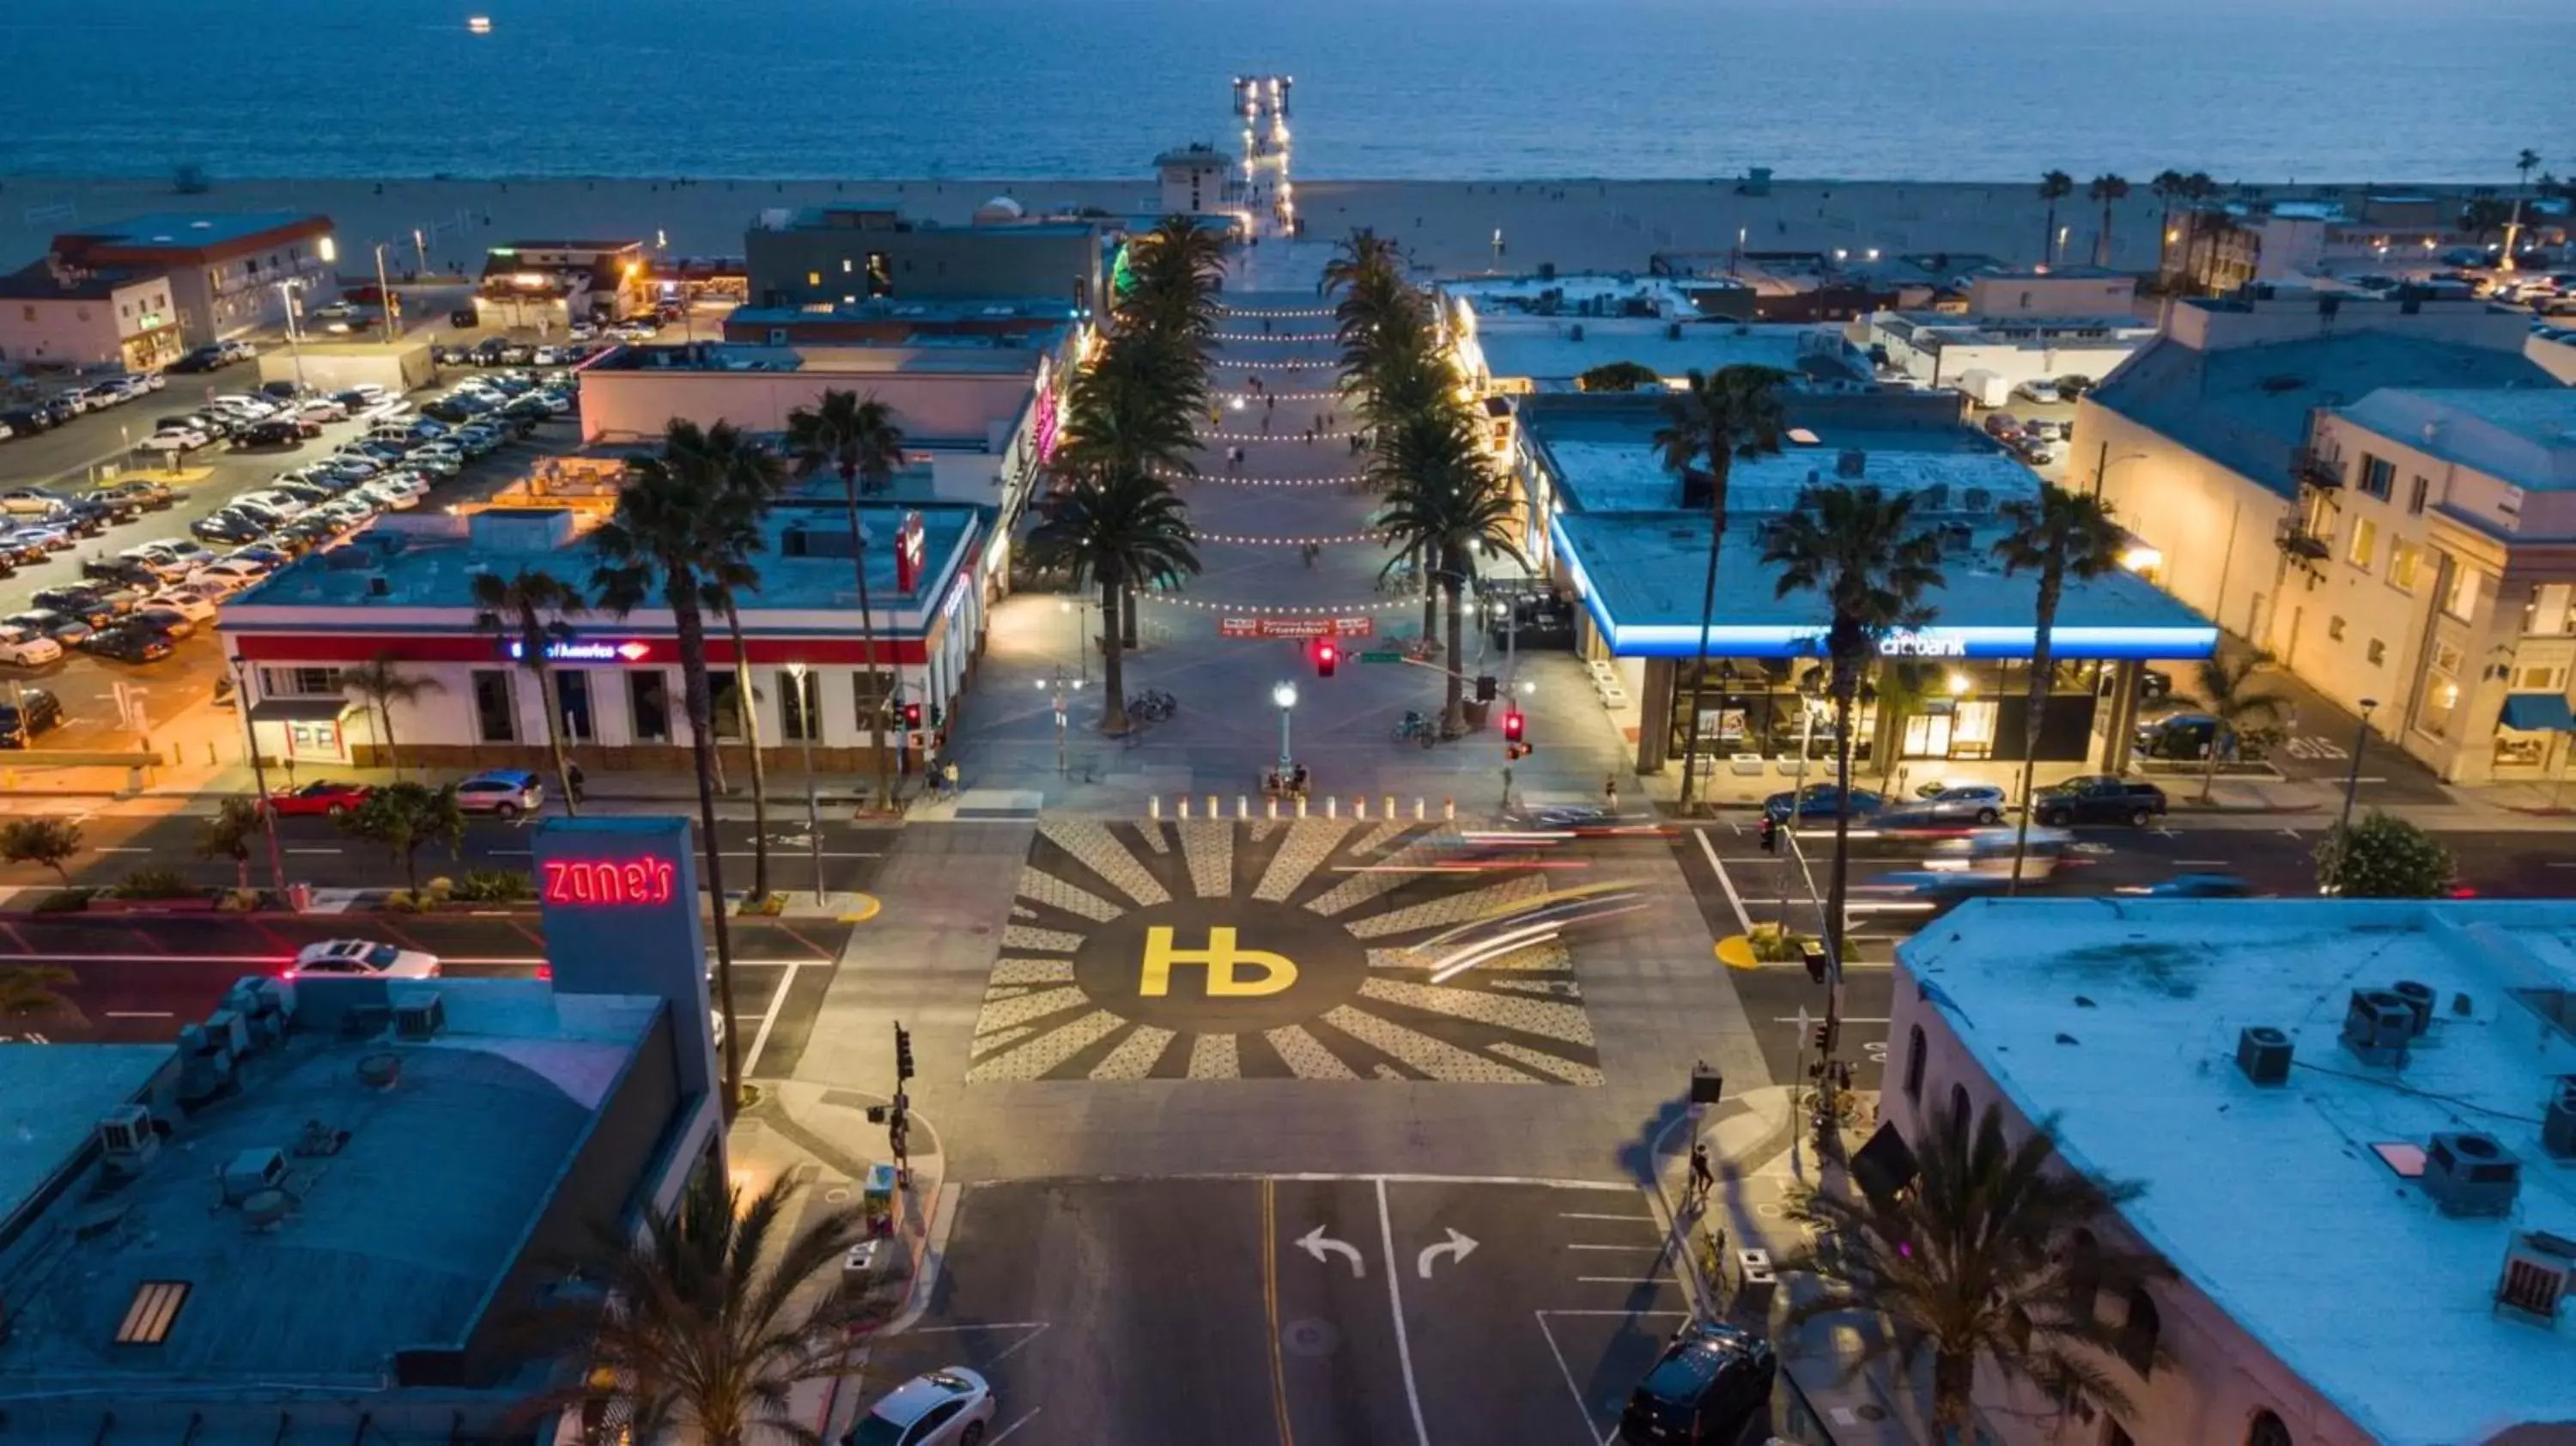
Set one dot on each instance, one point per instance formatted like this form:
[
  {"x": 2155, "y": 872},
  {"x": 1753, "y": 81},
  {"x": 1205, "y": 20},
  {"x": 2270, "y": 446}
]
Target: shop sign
[
  {"x": 1907, "y": 643},
  {"x": 907, "y": 554},
  {"x": 1357, "y": 626},
  {"x": 569, "y": 651}
]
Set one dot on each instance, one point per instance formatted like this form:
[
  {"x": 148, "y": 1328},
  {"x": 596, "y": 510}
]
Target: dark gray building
[{"x": 847, "y": 254}]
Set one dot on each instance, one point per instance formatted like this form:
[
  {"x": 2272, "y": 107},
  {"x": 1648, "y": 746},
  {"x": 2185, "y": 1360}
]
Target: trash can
[{"x": 876, "y": 1197}]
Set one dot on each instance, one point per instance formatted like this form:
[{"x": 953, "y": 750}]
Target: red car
[{"x": 329, "y": 800}]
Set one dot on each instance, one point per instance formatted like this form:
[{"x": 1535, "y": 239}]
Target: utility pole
[
  {"x": 2351, "y": 787},
  {"x": 385, "y": 295},
  {"x": 805, "y": 711}
]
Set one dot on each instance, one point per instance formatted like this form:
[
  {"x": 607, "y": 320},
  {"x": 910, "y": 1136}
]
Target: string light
[
  {"x": 1281, "y": 609},
  {"x": 1274, "y": 336},
  {"x": 1284, "y": 396},
  {"x": 1278, "y": 436},
  {"x": 1320, "y": 541},
  {"x": 1275, "y": 313},
  {"x": 1171, "y": 475},
  {"x": 1275, "y": 366}
]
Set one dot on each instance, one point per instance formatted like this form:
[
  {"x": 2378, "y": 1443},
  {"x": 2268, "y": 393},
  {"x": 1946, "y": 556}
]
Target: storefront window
[
  {"x": 2516, "y": 749},
  {"x": 495, "y": 721},
  {"x": 2548, "y": 612},
  {"x": 572, "y": 695},
  {"x": 725, "y": 705},
  {"x": 869, "y": 690},
  {"x": 796, "y": 707},
  {"x": 648, "y": 698},
  {"x": 2441, "y": 691}
]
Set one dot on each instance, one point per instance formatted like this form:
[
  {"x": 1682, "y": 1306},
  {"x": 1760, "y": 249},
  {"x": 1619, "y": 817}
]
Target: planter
[{"x": 104, "y": 904}]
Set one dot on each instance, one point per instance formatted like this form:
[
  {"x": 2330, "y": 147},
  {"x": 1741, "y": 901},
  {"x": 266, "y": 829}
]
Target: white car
[
  {"x": 392, "y": 499},
  {"x": 223, "y": 579},
  {"x": 171, "y": 442},
  {"x": 951, "y": 1407},
  {"x": 190, "y": 436},
  {"x": 27, "y": 648},
  {"x": 354, "y": 469},
  {"x": 2038, "y": 389},
  {"x": 364, "y": 958},
  {"x": 323, "y": 410},
  {"x": 196, "y": 607},
  {"x": 284, "y": 504}
]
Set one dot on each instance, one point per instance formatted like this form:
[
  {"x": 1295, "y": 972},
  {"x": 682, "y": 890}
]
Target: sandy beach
[{"x": 1449, "y": 226}]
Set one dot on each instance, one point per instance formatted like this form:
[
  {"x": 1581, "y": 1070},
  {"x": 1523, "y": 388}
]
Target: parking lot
[{"x": 1300, "y": 1309}]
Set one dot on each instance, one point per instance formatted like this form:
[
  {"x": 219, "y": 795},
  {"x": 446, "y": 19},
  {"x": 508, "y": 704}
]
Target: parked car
[
  {"x": 228, "y": 527},
  {"x": 275, "y": 432},
  {"x": 950, "y": 1407},
  {"x": 68, "y": 631},
  {"x": 2197, "y": 886},
  {"x": 121, "y": 571},
  {"x": 111, "y": 508},
  {"x": 27, "y": 648},
  {"x": 203, "y": 359},
  {"x": 86, "y": 604},
  {"x": 170, "y": 622},
  {"x": 365, "y": 958},
  {"x": 188, "y": 603},
  {"x": 173, "y": 443},
  {"x": 26, "y": 421},
  {"x": 325, "y": 799},
  {"x": 1960, "y": 805},
  {"x": 2099, "y": 798},
  {"x": 34, "y": 712},
  {"x": 504, "y": 792},
  {"x": 130, "y": 642},
  {"x": 1712, "y": 1383},
  {"x": 1819, "y": 801},
  {"x": 2184, "y": 737}
]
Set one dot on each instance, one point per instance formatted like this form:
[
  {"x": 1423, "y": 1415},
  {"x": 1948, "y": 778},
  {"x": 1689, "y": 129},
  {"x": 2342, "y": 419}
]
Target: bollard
[
  {"x": 1390, "y": 808},
  {"x": 1242, "y": 806},
  {"x": 1185, "y": 808},
  {"x": 1332, "y": 805},
  {"x": 1213, "y": 811},
  {"x": 1417, "y": 808},
  {"x": 1359, "y": 807},
  {"x": 1301, "y": 805},
  {"x": 1154, "y": 807},
  {"x": 1274, "y": 807},
  {"x": 1449, "y": 810}
]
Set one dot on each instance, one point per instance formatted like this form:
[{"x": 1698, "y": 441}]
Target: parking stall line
[{"x": 1634, "y": 1219}]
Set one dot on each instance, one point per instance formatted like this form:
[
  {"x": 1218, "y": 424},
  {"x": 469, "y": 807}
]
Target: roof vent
[
  {"x": 2263, "y": 1053},
  {"x": 2419, "y": 998},
  {"x": 126, "y": 1137},
  {"x": 419, "y": 1014},
  {"x": 2471, "y": 1174},
  {"x": 2537, "y": 1268},
  {"x": 2376, "y": 1026},
  {"x": 229, "y": 1027},
  {"x": 2558, "y": 1126},
  {"x": 378, "y": 585},
  {"x": 1851, "y": 462},
  {"x": 251, "y": 1171}
]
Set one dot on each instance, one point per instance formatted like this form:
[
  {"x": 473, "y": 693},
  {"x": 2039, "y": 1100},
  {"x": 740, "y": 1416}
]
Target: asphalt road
[
  {"x": 1310, "y": 1311},
  {"x": 318, "y": 851}
]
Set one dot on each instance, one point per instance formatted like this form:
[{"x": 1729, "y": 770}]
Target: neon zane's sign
[
  {"x": 610, "y": 882},
  {"x": 568, "y": 652}
]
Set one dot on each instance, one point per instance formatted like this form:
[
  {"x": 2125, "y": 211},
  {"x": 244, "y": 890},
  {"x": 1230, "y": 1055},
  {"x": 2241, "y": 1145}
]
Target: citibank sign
[
  {"x": 1907, "y": 643},
  {"x": 568, "y": 651}
]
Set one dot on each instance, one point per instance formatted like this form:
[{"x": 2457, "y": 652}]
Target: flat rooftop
[
  {"x": 51, "y": 1100},
  {"x": 1610, "y": 295},
  {"x": 395, "y": 1242},
  {"x": 1547, "y": 350},
  {"x": 1603, "y": 457},
  {"x": 926, "y": 355},
  {"x": 2524, "y": 437},
  {"x": 1933, "y": 330},
  {"x": 422, "y": 570},
  {"x": 2120, "y": 1017},
  {"x": 847, "y": 217},
  {"x": 919, "y": 310},
  {"x": 164, "y": 229}
]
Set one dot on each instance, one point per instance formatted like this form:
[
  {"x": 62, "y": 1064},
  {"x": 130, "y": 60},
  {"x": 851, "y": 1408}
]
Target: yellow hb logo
[{"x": 1226, "y": 966}]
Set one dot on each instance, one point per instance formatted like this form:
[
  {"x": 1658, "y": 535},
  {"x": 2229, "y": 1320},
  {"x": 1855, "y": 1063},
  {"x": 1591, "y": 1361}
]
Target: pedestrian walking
[
  {"x": 948, "y": 777},
  {"x": 1610, "y": 793},
  {"x": 1702, "y": 1177},
  {"x": 573, "y": 780}
]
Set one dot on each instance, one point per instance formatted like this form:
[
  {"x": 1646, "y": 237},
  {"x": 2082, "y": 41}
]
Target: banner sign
[{"x": 1357, "y": 626}]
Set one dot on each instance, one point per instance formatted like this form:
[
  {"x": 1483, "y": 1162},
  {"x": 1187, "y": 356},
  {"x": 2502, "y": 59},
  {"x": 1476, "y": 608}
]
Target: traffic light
[
  {"x": 911, "y": 715},
  {"x": 1824, "y": 1039},
  {"x": 1327, "y": 657},
  {"x": 937, "y": 718},
  {"x": 1811, "y": 952},
  {"x": 1515, "y": 723},
  {"x": 1768, "y": 834},
  {"x": 902, "y": 1055},
  {"x": 1485, "y": 688}
]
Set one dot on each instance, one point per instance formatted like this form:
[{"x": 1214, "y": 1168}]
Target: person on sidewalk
[
  {"x": 573, "y": 780},
  {"x": 948, "y": 779},
  {"x": 1610, "y": 792},
  {"x": 1702, "y": 1178}
]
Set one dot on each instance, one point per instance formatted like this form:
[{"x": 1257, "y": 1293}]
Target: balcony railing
[
  {"x": 2299, "y": 542},
  {"x": 2315, "y": 469}
]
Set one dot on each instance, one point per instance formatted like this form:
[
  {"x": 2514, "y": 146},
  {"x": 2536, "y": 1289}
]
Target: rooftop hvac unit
[
  {"x": 228, "y": 1026},
  {"x": 2537, "y": 1268},
  {"x": 2419, "y": 998},
  {"x": 2376, "y": 1025},
  {"x": 419, "y": 1014},
  {"x": 252, "y": 1171},
  {"x": 2263, "y": 1053},
  {"x": 126, "y": 1137},
  {"x": 2558, "y": 1125},
  {"x": 2471, "y": 1174}
]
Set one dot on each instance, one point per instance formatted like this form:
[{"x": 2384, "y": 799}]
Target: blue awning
[{"x": 2538, "y": 713}]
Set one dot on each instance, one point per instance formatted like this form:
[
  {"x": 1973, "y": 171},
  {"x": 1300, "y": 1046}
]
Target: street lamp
[
  {"x": 286, "y": 291},
  {"x": 2352, "y": 781},
  {"x": 1284, "y": 694},
  {"x": 813, "y": 809}
]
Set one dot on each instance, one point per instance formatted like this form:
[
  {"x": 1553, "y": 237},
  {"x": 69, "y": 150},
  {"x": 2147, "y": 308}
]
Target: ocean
[{"x": 2257, "y": 90}]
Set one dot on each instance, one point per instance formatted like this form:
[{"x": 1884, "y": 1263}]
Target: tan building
[
  {"x": 2194, "y": 439},
  {"x": 2352, "y": 1122},
  {"x": 52, "y": 315},
  {"x": 229, "y": 272},
  {"x": 553, "y": 284},
  {"x": 2050, "y": 291}
]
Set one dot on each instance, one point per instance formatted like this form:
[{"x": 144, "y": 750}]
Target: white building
[
  {"x": 2356, "y": 1126},
  {"x": 1940, "y": 350}
]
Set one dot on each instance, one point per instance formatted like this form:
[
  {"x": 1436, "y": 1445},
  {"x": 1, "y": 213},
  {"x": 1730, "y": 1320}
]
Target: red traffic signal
[
  {"x": 1327, "y": 657},
  {"x": 911, "y": 715},
  {"x": 1514, "y": 721}
]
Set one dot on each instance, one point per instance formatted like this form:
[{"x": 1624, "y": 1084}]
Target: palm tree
[
  {"x": 1116, "y": 530},
  {"x": 403, "y": 817},
  {"x": 859, "y": 440},
  {"x": 1989, "y": 1255},
  {"x": 2060, "y": 534},
  {"x": 2109, "y": 188},
  {"x": 1176, "y": 269},
  {"x": 1362, "y": 254},
  {"x": 2526, "y": 163},
  {"x": 1134, "y": 405},
  {"x": 698, "y": 1334},
  {"x": 27, "y": 990},
  {"x": 2226, "y": 694},
  {"x": 1862, "y": 550},
  {"x": 1714, "y": 420},
  {"x": 229, "y": 834},
  {"x": 750, "y": 479},
  {"x": 2168, "y": 187},
  {"x": 2484, "y": 216},
  {"x": 383, "y": 683},
  {"x": 1446, "y": 510},
  {"x": 668, "y": 533},
  {"x": 2054, "y": 187},
  {"x": 529, "y": 608}
]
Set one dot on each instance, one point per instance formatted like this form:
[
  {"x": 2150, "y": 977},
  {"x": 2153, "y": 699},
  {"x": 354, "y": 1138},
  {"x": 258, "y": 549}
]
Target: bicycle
[
  {"x": 1415, "y": 726},
  {"x": 1153, "y": 705}
]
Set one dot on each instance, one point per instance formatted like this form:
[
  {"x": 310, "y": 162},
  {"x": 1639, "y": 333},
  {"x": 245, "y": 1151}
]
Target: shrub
[
  {"x": 63, "y": 901},
  {"x": 493, "y": 886},
  {"x": 156, "y": 883}
]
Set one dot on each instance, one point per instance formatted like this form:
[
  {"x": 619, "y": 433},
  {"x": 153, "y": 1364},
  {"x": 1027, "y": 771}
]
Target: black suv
[
  {"x": 2099, "y": 798},
  {"x": 1712, "y": 1384},
  {"x": 36, "y": 711},
  {"x": 26, "y": 421}
]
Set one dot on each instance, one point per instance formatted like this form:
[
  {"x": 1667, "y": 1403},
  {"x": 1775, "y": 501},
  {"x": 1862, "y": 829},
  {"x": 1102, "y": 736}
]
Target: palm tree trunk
[
  {"x": 2209, "y": 765},
  {"x": 1954, "y": 1384},
  {"x": 1837, "y": 885},
  {"x": 2102, "y": 246},
  {"x": 1113, "y": 662},
  {"x": 548, "y": 698},
  {"x": 2048, "y": 237},
  {"x": 698, "y": 700},
  {"x": 759, "y": 771},
  {"x": 1453, "y": 716},
  {"x": 1699, "y": 669},
  {"x": 868, "y": 634},
  {"x": 1430, "y": 602},
  {"x": 2041, "y": 638},
  {"x": 1127, "y": 618},
  {"x": 385, "y": 730}
]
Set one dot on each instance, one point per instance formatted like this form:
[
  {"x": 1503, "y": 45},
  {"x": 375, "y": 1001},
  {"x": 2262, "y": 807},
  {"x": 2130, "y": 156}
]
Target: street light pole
[
  {"x": 2352, "y": 776},
  {"x": 1285, "y": 695},
  {"x": 813, "y": 808},
  {"x": 385, "y": 297},
  {"x": 259, "y": 776},
  {"x": 286, "y": 291}
]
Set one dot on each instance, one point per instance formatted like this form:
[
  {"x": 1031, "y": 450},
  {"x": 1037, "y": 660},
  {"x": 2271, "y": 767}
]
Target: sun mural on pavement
[{"x": 1308, "y": 950}]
